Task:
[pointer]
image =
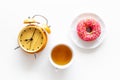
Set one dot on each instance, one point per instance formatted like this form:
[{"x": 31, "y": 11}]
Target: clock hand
[
  {"x": 30, "y": 45},
  {"x": 26, "y": 39},
  {"x": 31, "y": 39},
  {"x": 30, "y": 42},
  {"x": 32, "y": 35}
]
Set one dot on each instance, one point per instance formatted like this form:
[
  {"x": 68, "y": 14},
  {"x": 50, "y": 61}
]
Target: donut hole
[{"x": 89, "y": 29}]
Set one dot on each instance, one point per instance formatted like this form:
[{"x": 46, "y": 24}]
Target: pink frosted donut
[{"x": 88, "y": 29}]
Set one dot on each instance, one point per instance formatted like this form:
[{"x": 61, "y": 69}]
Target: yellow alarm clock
[{"x": 33, "y": 38}]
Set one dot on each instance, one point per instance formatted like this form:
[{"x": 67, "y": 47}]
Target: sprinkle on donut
[{"x": 88, "y": 29}]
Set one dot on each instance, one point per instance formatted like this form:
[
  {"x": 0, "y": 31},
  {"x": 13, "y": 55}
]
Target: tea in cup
[{"x": 61, "y": 56}]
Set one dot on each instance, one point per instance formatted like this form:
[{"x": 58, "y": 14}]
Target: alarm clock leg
[
  {"x": 17, "y": 47},
  {"x": 35, "y": 55}
]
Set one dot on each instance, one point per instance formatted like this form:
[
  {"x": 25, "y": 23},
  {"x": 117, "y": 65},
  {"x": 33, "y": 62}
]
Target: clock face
[{"x": 32, "y": 39}]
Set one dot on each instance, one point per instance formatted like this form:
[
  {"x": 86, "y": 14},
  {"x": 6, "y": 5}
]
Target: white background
[{"x": 102, "y": 63}]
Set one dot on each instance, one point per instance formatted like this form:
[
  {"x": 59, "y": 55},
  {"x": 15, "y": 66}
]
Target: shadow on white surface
[
  {"x": 57, "y": 73},
  {"x": 25, "y": 60},
  {"x": 87, "y": 50}
]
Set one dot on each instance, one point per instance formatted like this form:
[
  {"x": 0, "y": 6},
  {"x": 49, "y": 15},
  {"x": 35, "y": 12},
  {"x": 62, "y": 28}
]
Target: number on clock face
[{"x": 31, "y": 39}]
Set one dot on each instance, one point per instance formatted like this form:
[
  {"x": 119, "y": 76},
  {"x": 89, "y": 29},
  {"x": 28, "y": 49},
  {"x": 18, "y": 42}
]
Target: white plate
[{"x": 86, "y": 44}]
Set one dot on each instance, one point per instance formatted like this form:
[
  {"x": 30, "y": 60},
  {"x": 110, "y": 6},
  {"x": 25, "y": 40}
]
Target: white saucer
[{"x": 86, "y": 44}]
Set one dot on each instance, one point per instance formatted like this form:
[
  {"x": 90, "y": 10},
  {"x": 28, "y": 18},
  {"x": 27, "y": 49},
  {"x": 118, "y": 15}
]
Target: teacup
[{"x": 61, "y": 56}]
